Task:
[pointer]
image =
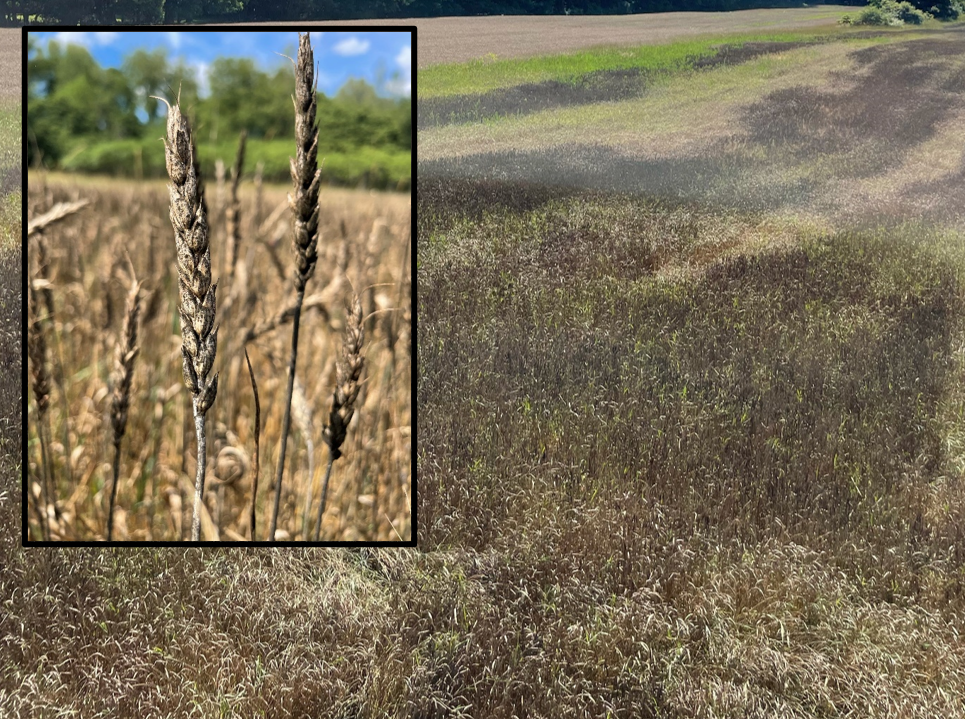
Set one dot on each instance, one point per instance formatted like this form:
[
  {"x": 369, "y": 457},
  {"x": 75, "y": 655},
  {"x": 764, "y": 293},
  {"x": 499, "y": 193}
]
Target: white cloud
[
  {"x": 352, "y": 46},
  {"x": 402, "y": 84},
  {"x": 316, "y": 37},
  {"x": 87, "y": 39},
  {"x": 175, "y": 39},
  {"x": 404, "y": 58},
  {"x": 201, "y": 68}
]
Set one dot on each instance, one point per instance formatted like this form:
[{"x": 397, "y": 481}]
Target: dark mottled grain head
[
  {"x": 304, "y": 167},
  {"x": 199, "y": 337}
]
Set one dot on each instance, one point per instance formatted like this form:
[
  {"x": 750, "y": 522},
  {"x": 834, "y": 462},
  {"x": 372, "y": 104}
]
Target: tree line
[
  {"x": 107, "y": 12},
  {"x": 85, "y": 117}
]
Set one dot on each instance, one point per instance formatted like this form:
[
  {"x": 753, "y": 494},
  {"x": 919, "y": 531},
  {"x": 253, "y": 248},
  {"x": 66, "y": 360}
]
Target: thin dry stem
[
  {"x": 37, "y": 351},
  {"x": 318, "y": 301},
  {"x": 302, "y": 413},
  {"x": 254, "y": 484}
]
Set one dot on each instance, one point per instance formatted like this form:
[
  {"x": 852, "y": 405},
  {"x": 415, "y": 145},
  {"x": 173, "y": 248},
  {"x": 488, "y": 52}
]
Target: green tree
[
  {"x": 148, "y": 74},
  {"x": 244, "y": 97}
]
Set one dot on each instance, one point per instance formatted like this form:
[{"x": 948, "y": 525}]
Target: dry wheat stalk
[
  {"x": 233, "y": 211},
  {"x": 37, "y": 351},
  {"x": 304, "y": 206},
  {"x": 58, "y": 212},
  {"x": 254, "y": 483},
  {"x": 120, "y": 400},
  {"x": 347, "y": 383},
  {"x": 199, "y": 337}
]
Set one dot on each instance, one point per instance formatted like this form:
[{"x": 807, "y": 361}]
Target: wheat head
[
  {"x": 199, "y": 337},
  {"x": 304, "y": 167},
  {"x": 348, "y": 374},
  {"x": 124, "y": 365}
]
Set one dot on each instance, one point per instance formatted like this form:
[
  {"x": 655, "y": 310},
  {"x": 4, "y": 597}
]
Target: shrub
[
  {"x": 889, "y": 12},
  {"x": 873, "y": 16},
  {"x": 906, "y": 12}
]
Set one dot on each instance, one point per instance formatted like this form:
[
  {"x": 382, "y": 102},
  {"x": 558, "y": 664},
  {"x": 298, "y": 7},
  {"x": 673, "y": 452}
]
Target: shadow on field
[
  {"x": 12, "y": 180},
  {"x": 793, "y": 147},
  {"x": 725, "y": 179}
]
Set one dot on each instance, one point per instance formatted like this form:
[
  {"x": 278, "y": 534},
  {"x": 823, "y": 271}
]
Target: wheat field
[{"x": 83, "y": 267}]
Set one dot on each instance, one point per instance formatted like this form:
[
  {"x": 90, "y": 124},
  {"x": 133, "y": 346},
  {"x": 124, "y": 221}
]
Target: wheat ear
[
  {"x": 348, "y": 376},
  {"x": 120, "y": 401},
  {"x": 199, "y": 337},
  {"x": 304, "y": 205}
]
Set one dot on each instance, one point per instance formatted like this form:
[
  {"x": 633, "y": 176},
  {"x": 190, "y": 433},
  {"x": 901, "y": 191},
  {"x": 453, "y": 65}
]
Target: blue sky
[{"x": 338, "y": 55}]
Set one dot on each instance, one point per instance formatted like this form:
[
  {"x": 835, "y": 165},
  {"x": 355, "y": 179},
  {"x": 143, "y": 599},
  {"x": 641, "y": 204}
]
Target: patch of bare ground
[{"x": 835, "y": 148}]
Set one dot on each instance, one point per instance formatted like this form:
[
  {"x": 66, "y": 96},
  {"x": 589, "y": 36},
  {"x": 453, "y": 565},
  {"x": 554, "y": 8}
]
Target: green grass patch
[{"x": 491, "y": 73}]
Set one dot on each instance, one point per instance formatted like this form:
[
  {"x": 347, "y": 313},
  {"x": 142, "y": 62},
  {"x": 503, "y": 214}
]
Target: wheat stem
[
  {"x": 304, "y": 205},
  {"x": 254, "y": 484},
  {"x": 59, "y": 212}
]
